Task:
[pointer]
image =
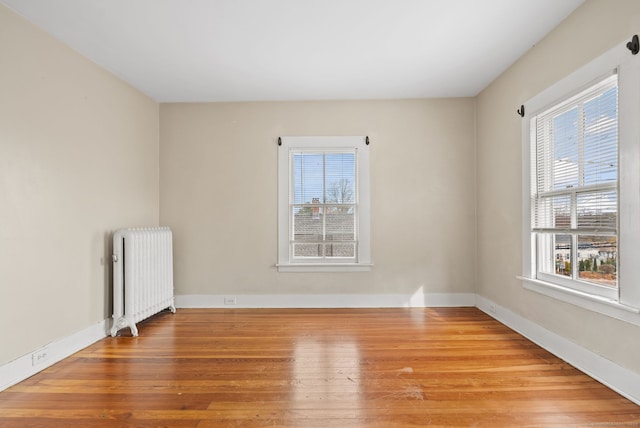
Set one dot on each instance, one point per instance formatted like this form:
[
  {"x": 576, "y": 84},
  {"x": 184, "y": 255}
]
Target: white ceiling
[{"x": 252, "y": 50}]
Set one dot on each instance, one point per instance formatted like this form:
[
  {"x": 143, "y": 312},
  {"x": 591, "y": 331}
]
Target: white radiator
[{"x": 142, "y": 275}]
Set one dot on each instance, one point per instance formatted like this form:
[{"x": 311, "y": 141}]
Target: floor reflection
[{"x": 326, "y": 376}]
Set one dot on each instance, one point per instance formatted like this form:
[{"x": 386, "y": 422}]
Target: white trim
[
  {"x": 629, "y": 164},
  {"x": 314, "y": 267},
  {"x": 22, "y": 368},
  {"x": 416, "y": 300},
  {"x": 583, "y": 300},
  {"x": 624, "y": 381}
]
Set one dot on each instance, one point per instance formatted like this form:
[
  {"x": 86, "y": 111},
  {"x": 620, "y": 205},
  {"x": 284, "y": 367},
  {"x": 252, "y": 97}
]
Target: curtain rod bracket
[
  {"x": 279, "y": 141},
  {"x": 521, "y": 111},
  {"x": 634, "y": 45}
]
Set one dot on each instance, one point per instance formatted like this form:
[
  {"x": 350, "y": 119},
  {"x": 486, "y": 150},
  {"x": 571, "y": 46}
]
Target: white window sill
[
  {"x": 324, "y": 267},
  {"x": 590, "y": 302}
]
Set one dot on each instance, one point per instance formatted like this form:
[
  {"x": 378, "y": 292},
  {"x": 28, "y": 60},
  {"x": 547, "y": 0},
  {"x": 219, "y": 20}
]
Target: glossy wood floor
[{"x": 315, "y": 368}]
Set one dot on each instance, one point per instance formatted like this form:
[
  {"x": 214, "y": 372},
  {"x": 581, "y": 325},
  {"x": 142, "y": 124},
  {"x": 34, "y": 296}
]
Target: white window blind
[{"x": 577, "y": 162}]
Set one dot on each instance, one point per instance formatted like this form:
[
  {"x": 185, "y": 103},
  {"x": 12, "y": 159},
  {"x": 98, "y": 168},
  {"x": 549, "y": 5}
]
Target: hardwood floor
[{"x": 315, "y": 368}]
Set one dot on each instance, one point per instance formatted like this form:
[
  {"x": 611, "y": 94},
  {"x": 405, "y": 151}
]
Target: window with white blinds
[
  {"x": 581, "y": 187},
  {"x": 323, "y": 204},
  {"x": 575, "y": 198}
]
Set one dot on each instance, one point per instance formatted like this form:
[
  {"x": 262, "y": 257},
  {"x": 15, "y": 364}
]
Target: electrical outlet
[
  {"x": 39, "y": 356},
  {"x": 230, "y": 301},
  {"x": 492, "y": 308}
]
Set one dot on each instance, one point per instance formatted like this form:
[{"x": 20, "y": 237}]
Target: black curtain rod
[{"x": 366, "y": 140}]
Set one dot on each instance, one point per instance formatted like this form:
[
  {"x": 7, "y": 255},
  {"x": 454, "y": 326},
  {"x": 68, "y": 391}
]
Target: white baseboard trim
[
  {"x": 417, "y": 300},
  {"x": 23, "y": 367},
  {"x": 624, "y": 381}
]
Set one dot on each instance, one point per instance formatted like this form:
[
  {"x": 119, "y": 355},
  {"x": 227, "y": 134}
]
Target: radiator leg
[
  {"x": 123, "y": 322},
  {"x": 134, "y": 329}
]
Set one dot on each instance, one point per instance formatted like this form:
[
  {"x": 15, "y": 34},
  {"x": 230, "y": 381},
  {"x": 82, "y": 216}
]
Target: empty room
[{"x": 306, "y": 213}]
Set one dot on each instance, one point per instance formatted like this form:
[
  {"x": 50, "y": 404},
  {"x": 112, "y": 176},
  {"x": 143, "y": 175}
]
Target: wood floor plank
[{"x": 315, "y": 367}]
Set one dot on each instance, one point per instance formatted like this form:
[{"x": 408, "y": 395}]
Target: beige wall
[
  {"x": 219, "y": 194},
  {"x": 78, "y": 158},
  {"x": 594, "y": 28}
]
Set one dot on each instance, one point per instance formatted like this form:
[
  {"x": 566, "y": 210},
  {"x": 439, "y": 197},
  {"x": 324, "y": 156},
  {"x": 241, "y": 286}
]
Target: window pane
[
  {"x": 340, "y": 178},
  {"x": 597, "y": 259},
  {"x": 307, "y": 250},
  {"x": 340, "y": 224},
  {"x": 308, "y": 180},
  {"x": 554, "y": 254},
  {"x": 601, "y": 138},
  {"x": 598, "y": 210},
  {"x": 553, "y": 212},
  {"x": 340, "y": 250},
  {"x": 307, "y": 224},
  {"x": 324, "y": 177},
  {"x": 577, "y": 141},
  {"x": 565, "y": 143},
  {"x": 562, "y": 254}
]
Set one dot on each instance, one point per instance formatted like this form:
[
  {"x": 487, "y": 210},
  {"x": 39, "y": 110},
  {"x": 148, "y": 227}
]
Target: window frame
[
  {"x": 600, "y": 86},
  {"x": 626, "y": 305},
  {"x": 286, "y": 261}
]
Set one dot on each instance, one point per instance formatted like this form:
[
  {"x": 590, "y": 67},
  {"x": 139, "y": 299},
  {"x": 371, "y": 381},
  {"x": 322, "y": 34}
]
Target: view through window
[{"x": 323, "y": 204}]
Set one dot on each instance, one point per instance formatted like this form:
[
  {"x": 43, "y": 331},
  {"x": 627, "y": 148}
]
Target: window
[
  {"x": 581, "y": 203},
  {"x": 323, "y": 204},
  {"x": 575, "y": 193}
]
